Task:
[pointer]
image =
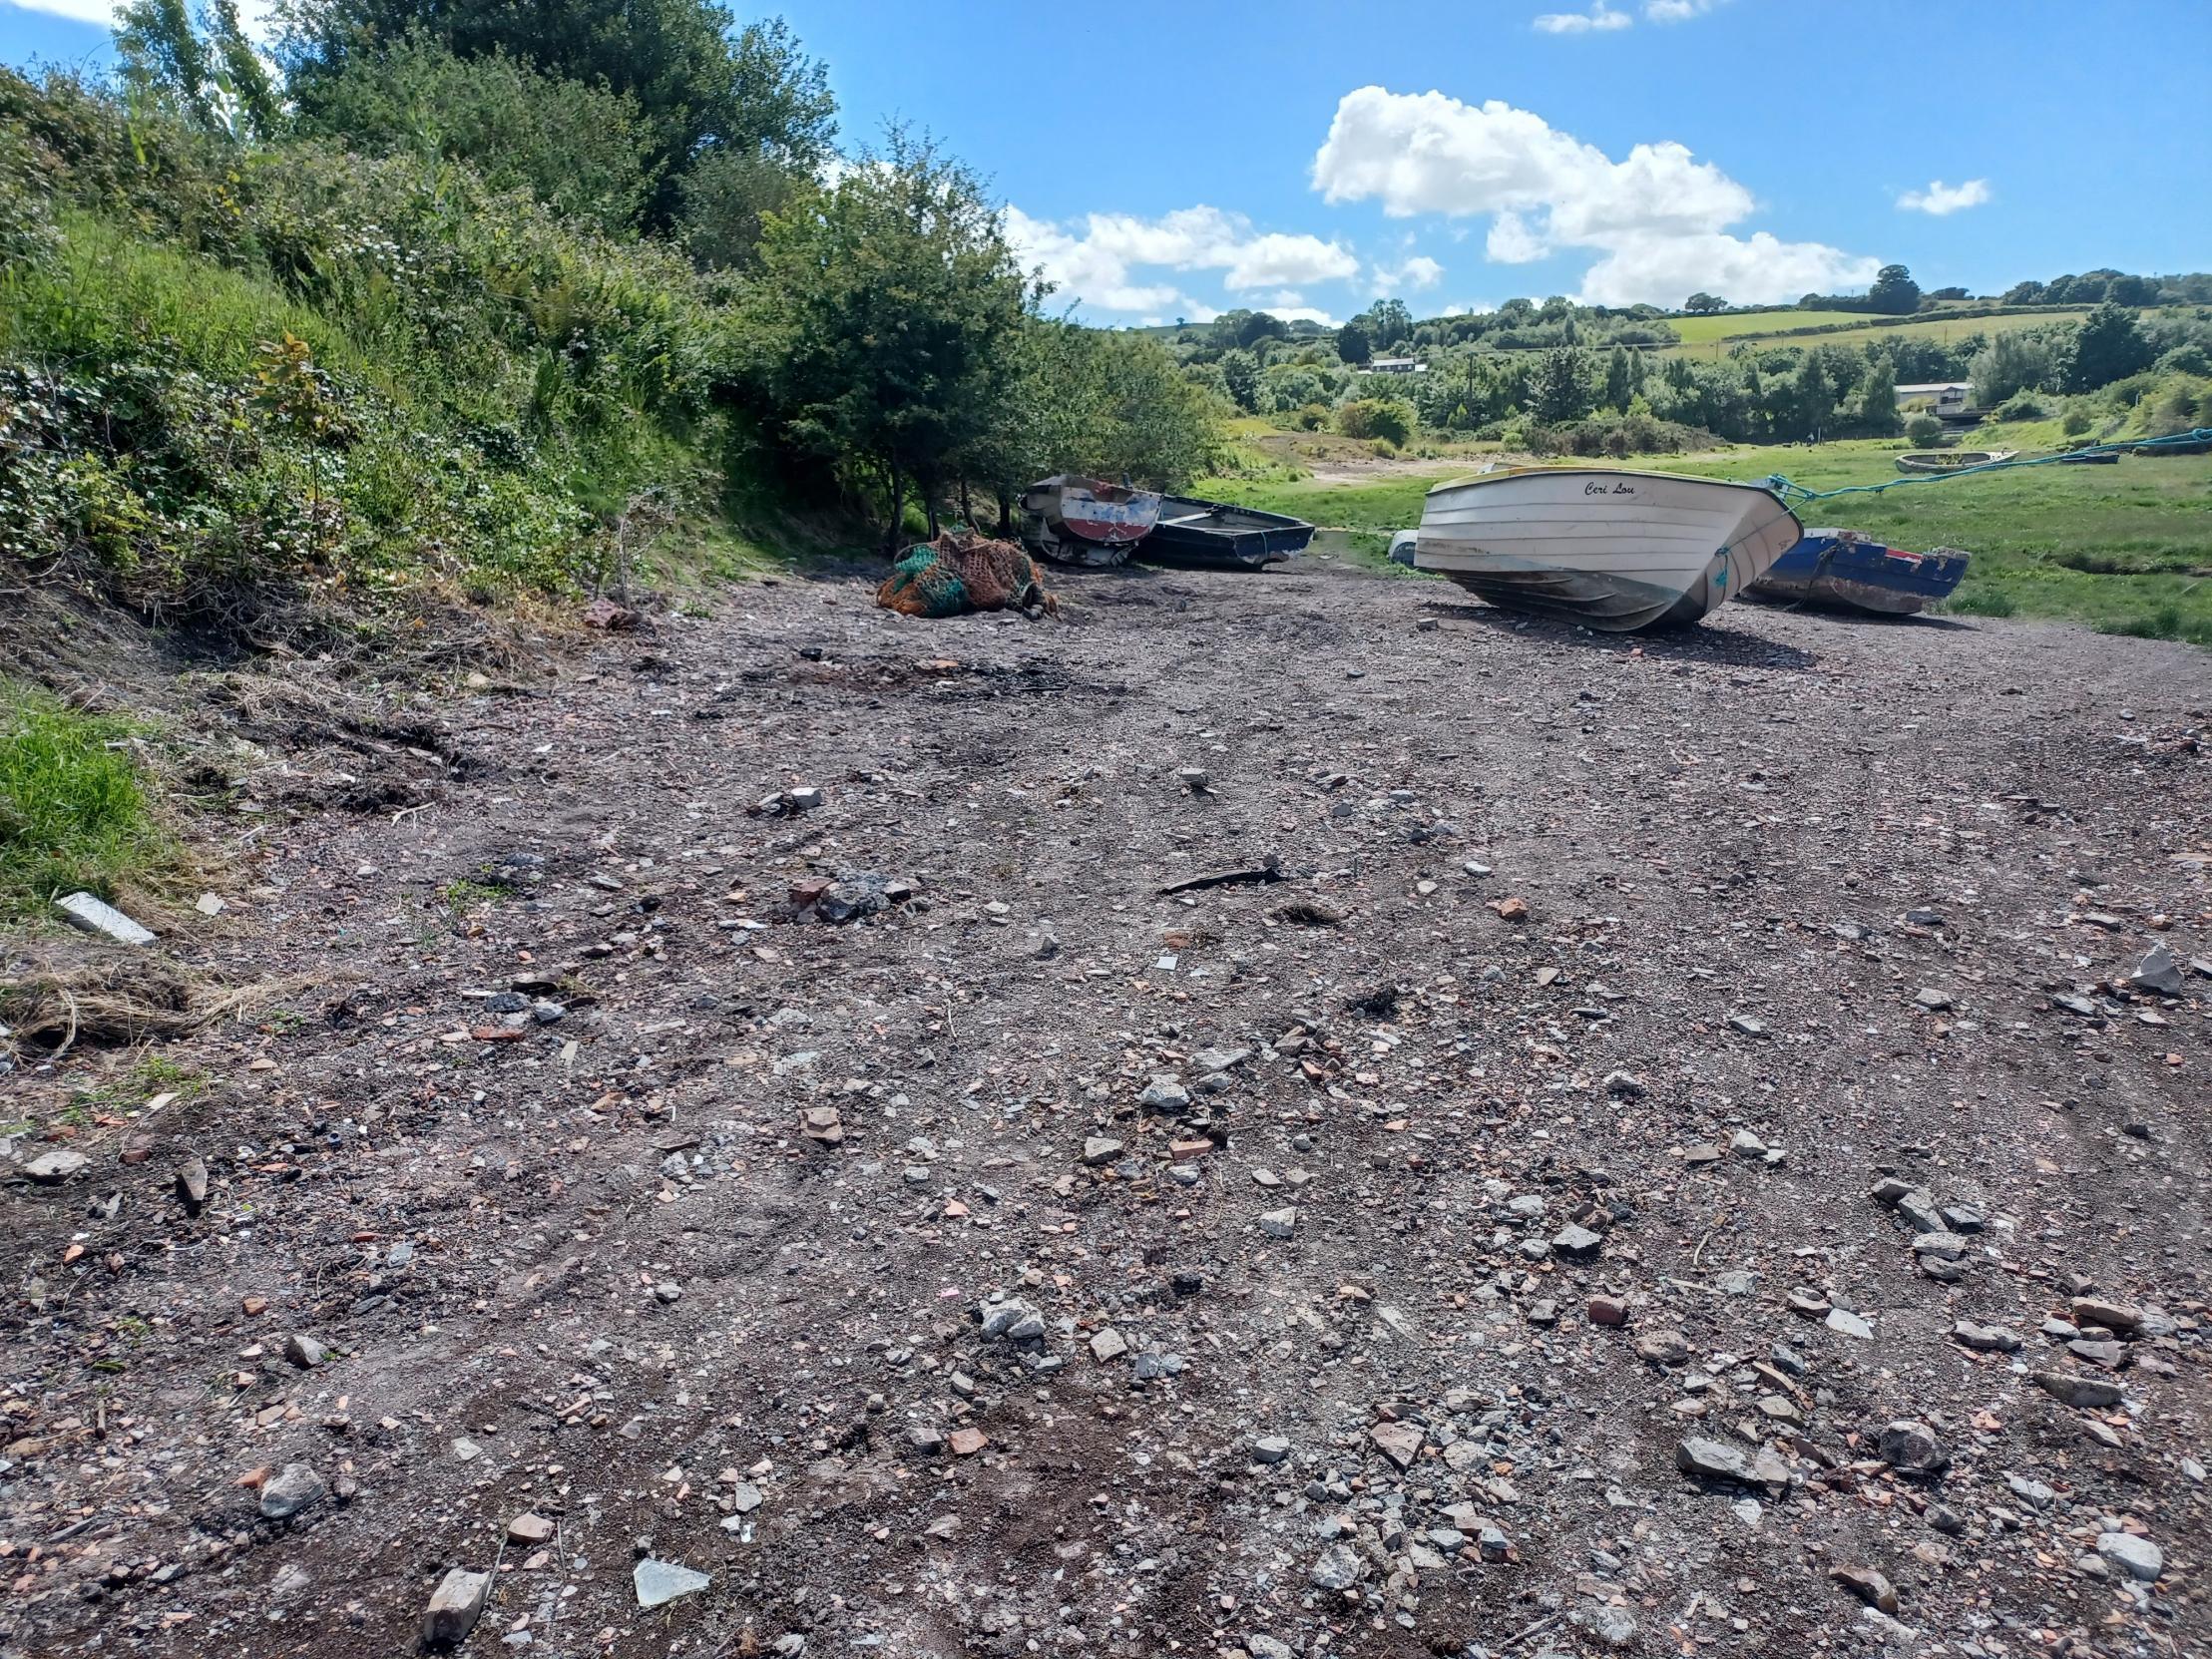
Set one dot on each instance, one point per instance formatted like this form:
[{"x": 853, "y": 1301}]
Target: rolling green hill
[{"x": 1714, "y": 336}]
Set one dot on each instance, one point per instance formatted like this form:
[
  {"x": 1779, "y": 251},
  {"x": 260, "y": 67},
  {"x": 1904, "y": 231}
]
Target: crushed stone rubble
[{"x": 835, "y": 1134}]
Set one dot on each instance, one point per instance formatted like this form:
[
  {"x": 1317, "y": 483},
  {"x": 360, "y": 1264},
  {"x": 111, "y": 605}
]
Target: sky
[{"x": 1307, "y": 157}]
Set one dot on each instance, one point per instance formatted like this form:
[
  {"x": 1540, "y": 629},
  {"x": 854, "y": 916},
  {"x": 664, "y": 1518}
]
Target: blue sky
[{"x": 1168, "y": 161}]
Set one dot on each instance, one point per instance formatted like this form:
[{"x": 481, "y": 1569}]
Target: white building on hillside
[
  {"x": 1397, "y": 366},
  {"x": 1945, "y": 397}
]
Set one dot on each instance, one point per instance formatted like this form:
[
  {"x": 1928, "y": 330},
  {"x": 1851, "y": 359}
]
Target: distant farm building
[
  {"x": 1397, "y": 366},
  {"x": 1945, "y": 397}
]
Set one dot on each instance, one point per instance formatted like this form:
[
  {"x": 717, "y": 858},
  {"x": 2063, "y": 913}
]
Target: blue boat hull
[{"x": 1850, "y": 572}]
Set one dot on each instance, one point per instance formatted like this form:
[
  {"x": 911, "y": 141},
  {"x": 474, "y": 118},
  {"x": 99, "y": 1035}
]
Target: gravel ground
[{"x": 1540, "y": 1219}]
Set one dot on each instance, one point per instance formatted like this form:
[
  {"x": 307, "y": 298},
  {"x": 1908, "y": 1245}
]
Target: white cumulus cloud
[
  {"x": 100, "y": 12},
  {"x": 1412, "y": 276},
  {"x": 1599, "y": 19},
  {"x": 1659, "y": 217},
  {"x": 1266, "y": 260},
  {"x": 1676, "y": 11},
  {"x": 1098, "y": 260},
  {"x": 1940, "y": 199},
  {"x": 1512, "y": 243},
  {"x": 254, "y": 15}
]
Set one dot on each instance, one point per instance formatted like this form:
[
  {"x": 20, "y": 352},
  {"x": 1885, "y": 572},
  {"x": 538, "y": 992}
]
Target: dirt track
[{"x": 629, "y": 1284}]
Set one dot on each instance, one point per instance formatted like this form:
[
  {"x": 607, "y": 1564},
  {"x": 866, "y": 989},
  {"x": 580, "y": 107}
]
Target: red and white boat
[{"x": 1085, "y": 521}]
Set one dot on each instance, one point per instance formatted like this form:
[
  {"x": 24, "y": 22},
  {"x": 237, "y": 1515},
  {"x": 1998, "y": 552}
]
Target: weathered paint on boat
[
  {"x": 1849, "y": 570},
  {"x": 1085, "y": 521}
]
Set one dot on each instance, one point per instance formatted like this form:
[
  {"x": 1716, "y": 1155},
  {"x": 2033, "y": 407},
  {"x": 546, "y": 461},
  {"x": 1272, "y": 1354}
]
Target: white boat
[{"x": 1604, "y": 547}]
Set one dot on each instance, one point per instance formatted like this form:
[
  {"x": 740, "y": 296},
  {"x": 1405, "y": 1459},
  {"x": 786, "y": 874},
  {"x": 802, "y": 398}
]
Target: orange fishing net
[{"x": 961, "y": 571}]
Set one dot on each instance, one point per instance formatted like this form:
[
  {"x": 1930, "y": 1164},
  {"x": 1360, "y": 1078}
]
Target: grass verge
[{"x": 73, "y": 812}]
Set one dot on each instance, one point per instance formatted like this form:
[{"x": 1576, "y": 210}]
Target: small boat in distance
[
  {"x": 1085, "y": 521},
  {"x": 1951, "y": 460},
  {"x": 1191, "y": 532},
  {"x": 1846, "y": 571},
  {"x": 1605, "y": 546}
]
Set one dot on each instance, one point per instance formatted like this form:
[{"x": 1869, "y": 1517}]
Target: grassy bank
[
  {"x": 73, "y": 813},
  {"x": 2126, "y": 549}
]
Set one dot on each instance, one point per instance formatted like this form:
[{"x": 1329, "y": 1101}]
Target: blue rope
[{"x": 1796, "y": 494}]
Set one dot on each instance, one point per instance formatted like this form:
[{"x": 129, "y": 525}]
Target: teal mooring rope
[{"x": 1796, "y": 494}]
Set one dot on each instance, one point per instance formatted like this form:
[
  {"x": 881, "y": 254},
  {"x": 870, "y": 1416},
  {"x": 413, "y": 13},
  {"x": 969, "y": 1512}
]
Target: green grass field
[
  {"x": 1845, "y": 328},
  {"x": 2126, "y": 549},
  {"x": 1705, "y": 330}
]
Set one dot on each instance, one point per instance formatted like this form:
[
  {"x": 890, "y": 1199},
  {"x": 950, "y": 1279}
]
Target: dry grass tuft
[{"x": 125, "y": 1000}]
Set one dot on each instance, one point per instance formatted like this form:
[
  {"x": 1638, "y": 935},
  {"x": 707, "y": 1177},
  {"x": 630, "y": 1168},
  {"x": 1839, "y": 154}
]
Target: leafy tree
[
  {"x": 700, "y": 84},
  {"x": 1922, "y": 430},
  {"x": 727, "y": 194},
  {"x": 1561, "y": 387},
  {"x": 1352, "y": 343},
  {"x": 1125, "y": 412},
  {"x": 162, "y": 61},
  {"x": 2023, "y": 293},
  {"x": 1290, "y": 387},
  {"x": 1261, "y": 325},
  {"x": 2130, "y": 291},
  {"x": 1894, "y": 292},
  {"x": 1813, "y": 399},
  {"x": 582, "y": 151},
  {"x": 1377, "y": 417},
  {"x": 2020, "y": 361},
  {"x": 1390, "y": 322},
  {"x": 1240, "y": 374},
  {"x": 2190, "y": 357},
  {"x": 1086, "y": 400},
  {"x": 881, "y": 329},
  {"x": 212, "y": 79},
  {"x": 1701, "y": 302},
  {"x": 1876, "y": 399},
  {"x": 1619, "y": 385},
  {"x": 2108, "y": 346},
  {"x": 243, "y": 78}
]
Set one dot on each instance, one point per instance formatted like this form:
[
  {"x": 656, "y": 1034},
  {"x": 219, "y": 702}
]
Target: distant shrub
[
  {"x": 1617, "y": 437},
  {"x": 2074, "y": 422},
  {"x": 1312, "y": 418},
  {"x": 1376, "y": 417},
  {"x": 1923, "y": 429},
  {"x": 2181, "y": 404},
  {"x": 1383, "y": 448},
  {"x": 2022, "y": 405}
]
